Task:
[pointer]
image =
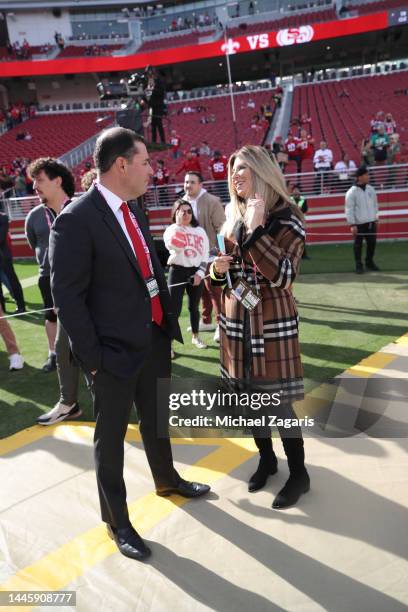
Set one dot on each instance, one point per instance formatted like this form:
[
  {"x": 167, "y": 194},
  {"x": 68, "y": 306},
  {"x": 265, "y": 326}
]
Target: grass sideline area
[{"x": 343, "y": 319}]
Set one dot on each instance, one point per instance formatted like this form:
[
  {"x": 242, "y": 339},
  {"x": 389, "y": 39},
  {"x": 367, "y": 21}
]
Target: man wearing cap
[{"x": 362, "y": 216}]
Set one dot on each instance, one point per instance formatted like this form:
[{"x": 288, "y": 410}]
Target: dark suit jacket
[{"x": 99, "y": 290}]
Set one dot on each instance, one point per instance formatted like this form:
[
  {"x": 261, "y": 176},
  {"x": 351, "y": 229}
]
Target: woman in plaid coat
[{"x": 264, "y": 238}]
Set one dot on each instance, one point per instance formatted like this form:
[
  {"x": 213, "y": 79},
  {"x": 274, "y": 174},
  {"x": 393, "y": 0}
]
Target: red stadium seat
[{"x": 345, "y": 121}]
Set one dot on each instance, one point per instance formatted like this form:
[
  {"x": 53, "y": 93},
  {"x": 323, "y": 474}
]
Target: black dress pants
[
  {"x": 157, "y": 125},
  {"x": 17, "y": 292},
  {"x": 367, "y": 231},
  {"x": 113, "y": 399}
]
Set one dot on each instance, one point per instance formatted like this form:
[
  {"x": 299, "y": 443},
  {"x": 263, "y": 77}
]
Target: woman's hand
[
  {"x": 197, "y": 280},
  {"x": 255, "y": 212},
  {"x": 179, "y": 217},
  {"x": 222, "y": 264}
]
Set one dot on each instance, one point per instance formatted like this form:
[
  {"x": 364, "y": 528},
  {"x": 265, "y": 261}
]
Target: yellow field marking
[
  {"x": 403, "y": 340},
  {"x": 60, "y": 567},
  {"x": 372, "y": 364},
  {"x": 321, "y": 397}
]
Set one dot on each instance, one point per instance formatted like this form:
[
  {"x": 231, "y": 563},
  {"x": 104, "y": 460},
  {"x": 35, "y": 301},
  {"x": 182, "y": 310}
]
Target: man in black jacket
[
  {"x": 156, "y": 92},
  {"x": 113, "y": 301},
  {"x": 6, "y": 266}
]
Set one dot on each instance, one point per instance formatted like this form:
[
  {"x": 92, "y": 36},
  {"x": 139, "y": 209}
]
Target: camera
[{"x": 134, "y": 87}]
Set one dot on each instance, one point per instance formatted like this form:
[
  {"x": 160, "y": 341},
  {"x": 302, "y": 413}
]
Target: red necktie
[{"x": 142, "y": 259}]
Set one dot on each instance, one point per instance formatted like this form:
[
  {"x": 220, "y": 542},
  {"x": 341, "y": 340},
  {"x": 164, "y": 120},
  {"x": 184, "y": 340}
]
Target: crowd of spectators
[
  {"x": 381, "y": 147},
  {"x": 193, "y": 21},
  {"x": 199, "y": 20},
  {"x": 15, "y": 176},
  {"x": 15, "y": 114},
  {"x": 97, "y": 50},
  {"x": 22, "y": 51}
]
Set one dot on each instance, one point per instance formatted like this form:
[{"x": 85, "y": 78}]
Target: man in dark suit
[
  {"x": 6, "y": 266},
  {"x": 113, "y": 301}
]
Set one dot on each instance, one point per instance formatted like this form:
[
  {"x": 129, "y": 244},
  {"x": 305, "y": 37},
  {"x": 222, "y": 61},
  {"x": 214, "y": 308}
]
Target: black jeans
[
  {"x": 180, "y": 274},
  {"x": 367, "y": 231},
  {"x": 6, "y": 265}
]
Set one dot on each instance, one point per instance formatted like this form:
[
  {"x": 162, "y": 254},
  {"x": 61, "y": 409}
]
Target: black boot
[
  {"x": 298, "y": 481},
  {"x": 268, "y": 465}
]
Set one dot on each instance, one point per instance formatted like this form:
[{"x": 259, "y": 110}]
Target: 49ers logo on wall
[{"x": 295, "y": 36}]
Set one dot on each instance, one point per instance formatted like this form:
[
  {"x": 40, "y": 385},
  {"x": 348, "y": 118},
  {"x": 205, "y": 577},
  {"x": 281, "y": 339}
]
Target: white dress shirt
[
  {"x": 193, "y": 201},
  {"x": 114, "y": 202}
]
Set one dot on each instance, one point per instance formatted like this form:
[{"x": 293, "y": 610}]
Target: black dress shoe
[
  {"x": 185, "y": 489},
  {"x": 359, "y": 269},
  {"x": 265, "y": 469},
  {"x": 51, "y": 364},
  {"x": 293, "y": 489},
  {"x": 129, "y": 542}
]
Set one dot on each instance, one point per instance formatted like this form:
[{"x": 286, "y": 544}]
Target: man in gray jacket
[{"x": 362, "y": 216}]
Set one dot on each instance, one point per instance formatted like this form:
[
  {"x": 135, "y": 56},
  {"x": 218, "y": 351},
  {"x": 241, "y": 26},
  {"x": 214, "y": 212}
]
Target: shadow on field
[
  {"x": 358, "y": 326},
  {"x": 353, "y": 311}
]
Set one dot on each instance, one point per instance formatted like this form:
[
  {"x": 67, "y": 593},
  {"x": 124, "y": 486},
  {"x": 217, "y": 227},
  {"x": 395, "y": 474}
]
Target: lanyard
[
  {"x": 254, "y": 268},
  {"x": 49, "y": 217},
  {"x": 48, "y": 214},
  {"x": 143, "y": 241}
]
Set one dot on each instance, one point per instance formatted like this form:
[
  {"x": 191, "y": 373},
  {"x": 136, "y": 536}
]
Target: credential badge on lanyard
[
  {"x": 244, "y": 294},
  {"x": 151, "y": 282}
]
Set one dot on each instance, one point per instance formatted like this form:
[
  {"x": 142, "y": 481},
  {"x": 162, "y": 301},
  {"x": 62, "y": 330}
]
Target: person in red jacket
[
  {"x": 160, "y": 179},
  {"x": 305, "y": 146},
  {"x": 218, "y": 166},
  {"x": 191, "y": 163},
  {"x": 175, "y": 142},
  {"x": 219, "y": 171}
]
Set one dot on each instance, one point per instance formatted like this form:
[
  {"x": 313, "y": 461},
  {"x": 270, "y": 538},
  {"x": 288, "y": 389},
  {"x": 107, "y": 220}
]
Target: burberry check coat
[{"x": 268, "y": 260}]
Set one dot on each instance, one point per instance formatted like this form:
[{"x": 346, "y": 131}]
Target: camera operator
[{"x": 155, "y": 92}]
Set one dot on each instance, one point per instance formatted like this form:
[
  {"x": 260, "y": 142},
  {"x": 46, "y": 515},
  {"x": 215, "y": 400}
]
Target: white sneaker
[
  {"x": 217, "y": 334},
  {"x": 59, "y": 413},
  {"x": 198, "y": 343},
  {"x": 16, "y": 362}
]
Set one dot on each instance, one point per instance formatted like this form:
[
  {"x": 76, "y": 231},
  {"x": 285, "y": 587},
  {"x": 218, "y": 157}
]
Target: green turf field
[{"x": 344, "y": 318}]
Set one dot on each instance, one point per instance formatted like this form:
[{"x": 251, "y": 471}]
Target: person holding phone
[{"x": 264, "y": 240}]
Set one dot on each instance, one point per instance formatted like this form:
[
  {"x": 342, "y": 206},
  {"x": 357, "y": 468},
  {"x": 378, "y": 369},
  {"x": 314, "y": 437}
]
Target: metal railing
[
  {"x": 312, "y": 184},
  {"x": 383, "y": 178},
  {"x": 85, "y": 149}
]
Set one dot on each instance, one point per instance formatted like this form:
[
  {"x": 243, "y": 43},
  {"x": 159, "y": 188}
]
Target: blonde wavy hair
[{"x": 267, "y": 181}]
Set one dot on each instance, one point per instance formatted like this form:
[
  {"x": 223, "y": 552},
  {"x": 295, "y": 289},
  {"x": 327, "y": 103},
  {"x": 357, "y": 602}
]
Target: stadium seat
[
  {"x": 345, "y": 121},
  {"x": 52, "y": 135}
]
